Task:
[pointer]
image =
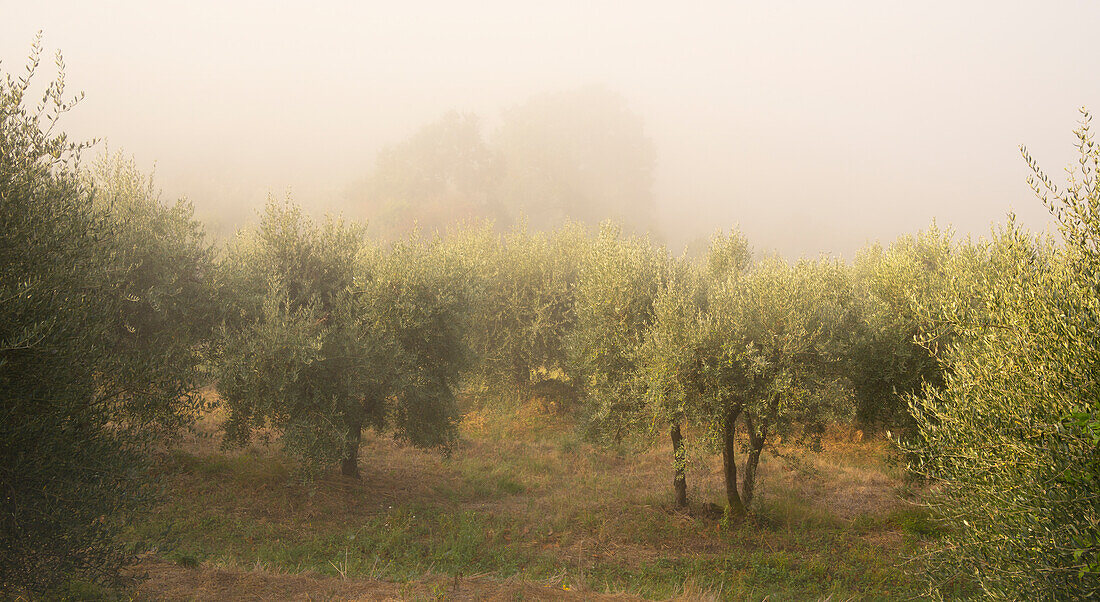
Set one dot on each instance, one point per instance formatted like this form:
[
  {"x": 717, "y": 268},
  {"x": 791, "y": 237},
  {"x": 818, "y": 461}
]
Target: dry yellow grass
[
  {"x": 170, "y": 582},
  {"x": 529, "y": 508}
]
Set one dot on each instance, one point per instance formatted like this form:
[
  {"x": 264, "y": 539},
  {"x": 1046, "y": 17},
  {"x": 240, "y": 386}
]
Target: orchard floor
[{"x": 524, "y": 509}]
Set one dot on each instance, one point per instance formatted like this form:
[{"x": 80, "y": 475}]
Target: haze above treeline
[{"x": 816, "y": 127}]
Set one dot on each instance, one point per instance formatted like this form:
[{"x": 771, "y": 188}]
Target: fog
[{"x": 816, "y": 127}]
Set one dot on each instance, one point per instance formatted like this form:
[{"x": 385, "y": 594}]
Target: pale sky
[{"x": 816, "y": 126}]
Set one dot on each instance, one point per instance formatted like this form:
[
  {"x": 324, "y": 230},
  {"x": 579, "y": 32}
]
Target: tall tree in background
[
  {"x": 445, "y": 173},
  {"x": 581, "y": 155},
  {"x": 578, "y": 156}
]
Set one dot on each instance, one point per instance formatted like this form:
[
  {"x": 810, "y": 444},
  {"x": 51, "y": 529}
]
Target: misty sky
[{"x": 816, "y": 126}]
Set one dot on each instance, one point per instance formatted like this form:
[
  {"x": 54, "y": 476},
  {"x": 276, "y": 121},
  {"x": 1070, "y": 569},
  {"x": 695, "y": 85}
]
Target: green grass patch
[{"x": 917, "y": 521}]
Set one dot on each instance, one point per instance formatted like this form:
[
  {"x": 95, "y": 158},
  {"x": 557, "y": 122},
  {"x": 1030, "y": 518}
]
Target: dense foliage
[
  {"x": 328, "y": 335},
  {"x": 103, "y": 307},
  {"x": 522, "y": 301},
  {"x": 162, "y": 270},
  {"x": 1013, "y": 434},
  {"x": 619, "y": 279},
  {"x": 898, "y": 291}
]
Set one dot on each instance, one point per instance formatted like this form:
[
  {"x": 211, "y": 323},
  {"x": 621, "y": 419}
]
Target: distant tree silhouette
[
  {"x": 444, "y": 173},
  {"x": 579, "y": 156}
]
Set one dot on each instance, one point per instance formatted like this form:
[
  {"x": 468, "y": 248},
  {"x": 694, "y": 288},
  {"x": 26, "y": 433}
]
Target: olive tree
[
  {"x": 669, "y": 363},
  {"x": 898, "y": 292},
  {"x": 732, "y": 343},
  {"x": 676, "y": 343},
  {"x": 101, "y": 305},
  {"x": 1012, "y": 437},
  {"x": 767, "y": 361},
  {"x": 329, "y": 335},
  {"x": 522, "y": 300},
  {"x": 616, "y": 287},
  {"x": 163, "y": 267}
]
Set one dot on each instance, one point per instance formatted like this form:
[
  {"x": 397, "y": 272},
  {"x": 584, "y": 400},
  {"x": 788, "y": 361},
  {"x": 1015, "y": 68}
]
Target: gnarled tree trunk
[
  {"x": 729, "y": 462},
  {"x": 349, "y": 466},
  {"x": 756, "y": 444},
  {"x": 679, "y": 457}
]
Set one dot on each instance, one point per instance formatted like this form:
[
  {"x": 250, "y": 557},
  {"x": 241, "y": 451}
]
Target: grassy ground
[{"x": 524, "y": 509}]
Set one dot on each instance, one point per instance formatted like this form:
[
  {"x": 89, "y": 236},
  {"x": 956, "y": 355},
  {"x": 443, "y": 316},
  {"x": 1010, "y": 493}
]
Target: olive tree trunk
[
  {"x": 679, "y": 457},
  {"x": 756, "y": 445},
  {"x": 729, "y": 462},
  {"x": 349, "y": 466}
]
